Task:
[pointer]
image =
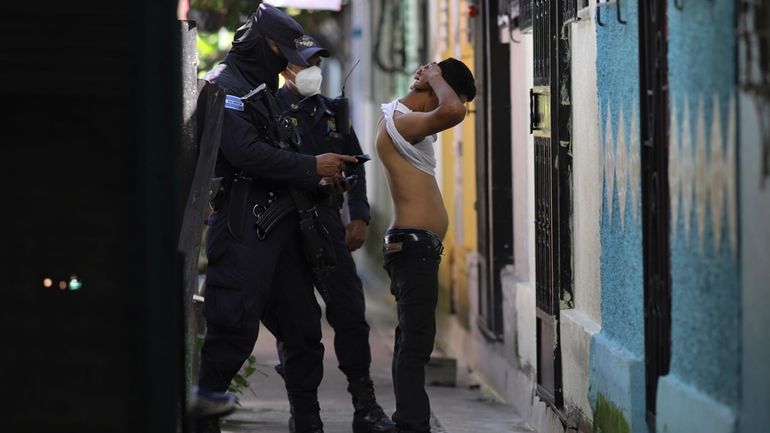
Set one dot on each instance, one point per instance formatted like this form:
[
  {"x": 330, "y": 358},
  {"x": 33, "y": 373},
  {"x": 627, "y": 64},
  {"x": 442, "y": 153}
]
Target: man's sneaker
[{"x": 205, "y": 404}]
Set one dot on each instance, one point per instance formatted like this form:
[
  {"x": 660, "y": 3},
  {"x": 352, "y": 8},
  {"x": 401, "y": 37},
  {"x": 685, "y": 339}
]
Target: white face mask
[{"x": 308, "y": 81}]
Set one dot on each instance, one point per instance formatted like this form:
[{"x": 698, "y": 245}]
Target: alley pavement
[{"x": 461, "y": 409}]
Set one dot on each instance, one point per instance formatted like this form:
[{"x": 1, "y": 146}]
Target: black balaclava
[{"x": 253, "y": 58}]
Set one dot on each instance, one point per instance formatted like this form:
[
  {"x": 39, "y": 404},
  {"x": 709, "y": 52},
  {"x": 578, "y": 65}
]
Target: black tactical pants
[
  {"x": 412, "y": 259},
  {"x": 255, "y": 280},
  {"x": 345, "y": 309}
]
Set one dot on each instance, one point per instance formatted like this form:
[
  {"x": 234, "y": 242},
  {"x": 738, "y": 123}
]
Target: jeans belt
[{"x": 415, "y": 238}]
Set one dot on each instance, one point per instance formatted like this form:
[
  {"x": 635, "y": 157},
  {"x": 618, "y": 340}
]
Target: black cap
[
  {"x": 276, "y": 25},
  {"x": 308, "y": 47}
]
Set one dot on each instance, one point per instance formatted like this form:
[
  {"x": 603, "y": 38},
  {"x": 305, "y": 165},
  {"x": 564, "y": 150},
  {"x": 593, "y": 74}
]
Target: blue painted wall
[
  {"x": 621, "y": 257},
  {"x": 705, "y": 282},
  {"x": 617, "y": 368}
]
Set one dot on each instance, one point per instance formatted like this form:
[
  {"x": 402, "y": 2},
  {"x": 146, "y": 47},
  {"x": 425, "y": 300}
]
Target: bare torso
[{"x": 417, "y": 201}]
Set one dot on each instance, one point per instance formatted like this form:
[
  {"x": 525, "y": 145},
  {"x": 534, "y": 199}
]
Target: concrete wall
[
  {"x": 755, "y": 271},
  {"x": 754, "y": 121},
  {"x": 705, "y": 330},
  {"x": 617, "y": 366},
  {"x": 578, "y": 325}
]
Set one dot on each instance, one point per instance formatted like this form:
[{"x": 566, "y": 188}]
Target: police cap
[
  {"x": 276, "y": 25},
  {"x": 308, "y": 47}
]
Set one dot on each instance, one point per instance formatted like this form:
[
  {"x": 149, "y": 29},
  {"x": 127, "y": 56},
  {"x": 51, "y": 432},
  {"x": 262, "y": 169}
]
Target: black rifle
[{"x": 319, "y": 250}]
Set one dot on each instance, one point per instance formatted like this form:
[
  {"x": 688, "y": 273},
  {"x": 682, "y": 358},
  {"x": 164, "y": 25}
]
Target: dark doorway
[
  {"x": 493, "y": 169},
  {"x": 653, "y": 75}
]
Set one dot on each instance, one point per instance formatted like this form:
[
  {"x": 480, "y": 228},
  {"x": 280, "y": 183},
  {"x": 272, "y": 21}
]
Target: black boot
[
  {"x": 305, "y": 416},
  {"x": 369, "y": 416}
]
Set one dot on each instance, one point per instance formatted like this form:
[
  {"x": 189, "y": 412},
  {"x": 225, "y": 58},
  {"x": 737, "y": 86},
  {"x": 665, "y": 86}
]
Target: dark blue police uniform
[
  {"x": 345, "y": 307},
  {"x": 345, "y": 310},
  {"x": 248, "y": 274}
]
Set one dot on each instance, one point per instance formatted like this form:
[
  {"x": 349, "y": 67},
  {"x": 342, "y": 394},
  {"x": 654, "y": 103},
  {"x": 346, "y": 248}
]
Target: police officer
[
  {"x": 250, "y": 271},
  {"x": 314, "y": 116}
]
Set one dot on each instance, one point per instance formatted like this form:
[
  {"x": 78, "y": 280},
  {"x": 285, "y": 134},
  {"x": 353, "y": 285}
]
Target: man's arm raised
[{"x": 415, "y": 126}]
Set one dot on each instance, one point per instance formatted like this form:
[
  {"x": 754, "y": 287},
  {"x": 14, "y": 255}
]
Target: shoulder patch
[{"x": 233, "y": 103}]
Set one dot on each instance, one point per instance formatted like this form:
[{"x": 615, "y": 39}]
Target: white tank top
[{"x": 420, "y": 155}]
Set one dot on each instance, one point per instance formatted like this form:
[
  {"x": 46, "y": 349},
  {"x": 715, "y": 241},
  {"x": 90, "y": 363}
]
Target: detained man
[{"x": 413, "y": 242}]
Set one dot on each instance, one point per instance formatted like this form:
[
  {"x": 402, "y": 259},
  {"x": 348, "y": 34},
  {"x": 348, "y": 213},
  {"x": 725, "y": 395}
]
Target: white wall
[{"x": 580, "y": 323}]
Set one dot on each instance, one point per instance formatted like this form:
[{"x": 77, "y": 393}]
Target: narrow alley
[
  {"x": 461, "y": 409},
  {"x": 577, "y": 191}
]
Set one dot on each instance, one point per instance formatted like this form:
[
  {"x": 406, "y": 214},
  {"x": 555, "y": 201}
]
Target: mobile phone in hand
[{"x": 362, "y": 158}]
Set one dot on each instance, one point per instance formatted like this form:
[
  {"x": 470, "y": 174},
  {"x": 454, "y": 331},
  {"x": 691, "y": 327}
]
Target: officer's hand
[
  {"x": 331, "y": 164},
  {"x": 355, "y": 233}
]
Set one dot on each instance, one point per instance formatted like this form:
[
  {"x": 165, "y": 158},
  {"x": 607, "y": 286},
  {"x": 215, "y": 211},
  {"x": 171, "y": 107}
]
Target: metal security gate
[
  {"x": 550, "y": 115},
  {"x": 655, "y": 196}
]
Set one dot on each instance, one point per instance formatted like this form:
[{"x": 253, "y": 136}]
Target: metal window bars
[
  {"x": 526, "y": 15},
  {"x": 569, "y": 11}
]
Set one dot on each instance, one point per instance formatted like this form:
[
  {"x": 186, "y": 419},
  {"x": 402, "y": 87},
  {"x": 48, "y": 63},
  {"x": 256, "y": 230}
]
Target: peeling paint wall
[{"x": 579, "y": 325}]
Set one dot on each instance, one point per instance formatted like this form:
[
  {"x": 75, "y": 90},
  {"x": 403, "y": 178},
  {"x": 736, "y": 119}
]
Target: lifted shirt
[{"x": 420, "y": 155}]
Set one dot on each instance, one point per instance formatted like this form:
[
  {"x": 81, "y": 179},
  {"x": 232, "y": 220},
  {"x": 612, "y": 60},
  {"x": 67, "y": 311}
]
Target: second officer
[{"x": 314, "y": 117}]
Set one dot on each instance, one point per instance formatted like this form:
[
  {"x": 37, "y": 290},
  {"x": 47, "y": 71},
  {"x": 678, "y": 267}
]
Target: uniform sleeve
[
  {"x": 246, "y": 150},
  {"x": 358, "y": 204}
]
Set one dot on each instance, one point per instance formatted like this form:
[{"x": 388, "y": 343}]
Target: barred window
[
  {"x": 526, "y": 15},
  {"x": 569, "y": 10}
]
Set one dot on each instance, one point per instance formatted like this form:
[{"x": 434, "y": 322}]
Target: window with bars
[
  {"x": 526, "y": 16},
  {"x": 569, "y": 9}
]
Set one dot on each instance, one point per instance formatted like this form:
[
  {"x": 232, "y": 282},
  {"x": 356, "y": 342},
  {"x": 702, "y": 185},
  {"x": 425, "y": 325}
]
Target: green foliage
[
  {"x": 218, "y": 5},
  {"x": 608, "y": 418},
  {"x": 240, "y": 382},
  {"x": 212, "y": 47}
]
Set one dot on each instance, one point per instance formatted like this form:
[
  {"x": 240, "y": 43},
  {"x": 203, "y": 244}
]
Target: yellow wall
[{"x": 453, "y": 278}]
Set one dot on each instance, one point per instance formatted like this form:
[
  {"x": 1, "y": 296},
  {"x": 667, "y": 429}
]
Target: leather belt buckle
[{"x": 393, "y": 247}]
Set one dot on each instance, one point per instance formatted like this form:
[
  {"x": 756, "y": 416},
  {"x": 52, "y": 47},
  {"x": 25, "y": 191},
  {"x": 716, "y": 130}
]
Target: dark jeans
[{"x": 412, "y": 258}]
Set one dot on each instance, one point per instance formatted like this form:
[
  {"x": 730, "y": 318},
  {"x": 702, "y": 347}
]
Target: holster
[
  {"x": 217, "y": 192},
  {"x": 237, "y": 202},
  {"x": 317, "y": 243}
]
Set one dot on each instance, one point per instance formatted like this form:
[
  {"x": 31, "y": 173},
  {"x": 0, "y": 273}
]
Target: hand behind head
[{"x": 423, "y": 75}]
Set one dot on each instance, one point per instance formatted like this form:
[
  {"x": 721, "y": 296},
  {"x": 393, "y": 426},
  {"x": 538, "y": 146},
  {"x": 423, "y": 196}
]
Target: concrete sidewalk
[{"x": 456, "y": 410}]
